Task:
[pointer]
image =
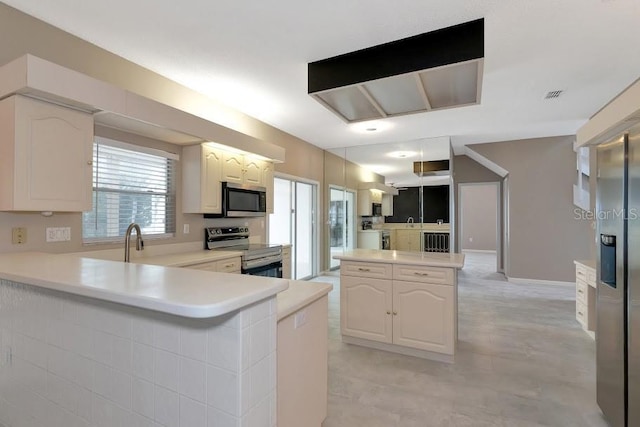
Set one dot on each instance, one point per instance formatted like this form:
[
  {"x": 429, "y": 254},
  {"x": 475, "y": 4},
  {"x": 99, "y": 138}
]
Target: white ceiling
[{"x": 252, "y": 55}]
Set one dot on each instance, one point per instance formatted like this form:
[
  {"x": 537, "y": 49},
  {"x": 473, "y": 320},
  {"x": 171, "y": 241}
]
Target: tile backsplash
[{"x": 72, "y": 361}]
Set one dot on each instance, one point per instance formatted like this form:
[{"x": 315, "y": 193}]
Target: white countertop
[
  {"x": 369, "y": 231},
  {"x": 183, "y": 292},
  {"x": 589, "y": 263},
  {"x": 300, "y": 294},
  {"x": 432, "y": 259}
]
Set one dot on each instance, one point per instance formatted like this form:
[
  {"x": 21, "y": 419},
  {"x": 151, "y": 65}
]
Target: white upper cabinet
[
  {"x": 253, "y": 172},
  {"x": 232, "y": 167},
  {"x": 46, "y": 157},
  {"x": 201, "y": 176},
  {"x": 204, "y": 168},
  {"x": 241, "y": 169},
  {"x": 387, "y": 204},
  {"x": 267, "y": 182}
]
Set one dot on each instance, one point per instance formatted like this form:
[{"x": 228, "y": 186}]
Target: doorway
[
  {"x": 342, "y": 223},
  {"x": 294, "y": 222},
  {"x": 480, "y": 210}
]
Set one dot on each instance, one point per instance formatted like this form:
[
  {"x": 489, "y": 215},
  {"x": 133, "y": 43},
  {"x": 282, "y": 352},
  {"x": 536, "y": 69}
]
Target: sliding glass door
[
  {"x": 342, "y": 217},
  {"x": 294, "y": 222}
]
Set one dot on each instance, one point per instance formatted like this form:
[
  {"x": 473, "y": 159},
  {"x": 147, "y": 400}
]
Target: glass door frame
[
  {"x": 353, "y": 228},
  {"x": 293, "y": 232}
]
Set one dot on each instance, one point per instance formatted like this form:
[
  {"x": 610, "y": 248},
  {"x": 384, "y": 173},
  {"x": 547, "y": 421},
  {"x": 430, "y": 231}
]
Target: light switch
[
  {"x": 185, "y": 228},
  {"x": 58, "y": 234}
]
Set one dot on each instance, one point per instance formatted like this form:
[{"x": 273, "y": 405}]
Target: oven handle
[{"x": 259, "y": 262}]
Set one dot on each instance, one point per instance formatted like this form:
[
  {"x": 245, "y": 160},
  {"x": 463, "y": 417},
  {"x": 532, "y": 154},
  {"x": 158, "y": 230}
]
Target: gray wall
[
  {"x": 544, "y": 235},
  {"x": 467, "y": 170},
  {"x": 479, "y": 216}
]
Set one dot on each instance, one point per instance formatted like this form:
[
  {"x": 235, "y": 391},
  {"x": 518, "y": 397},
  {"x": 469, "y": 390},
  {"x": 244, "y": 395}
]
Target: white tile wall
[{"x": 72, "y": 361}]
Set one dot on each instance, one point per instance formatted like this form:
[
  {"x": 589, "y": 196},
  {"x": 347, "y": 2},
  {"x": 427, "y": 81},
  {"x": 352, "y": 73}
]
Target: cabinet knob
[
  {"x": 395, "y": 313},
  {"x": 388, "y": 312},
  {"x": 90, "y": 162},
  {"x": 363, "y": 269}
]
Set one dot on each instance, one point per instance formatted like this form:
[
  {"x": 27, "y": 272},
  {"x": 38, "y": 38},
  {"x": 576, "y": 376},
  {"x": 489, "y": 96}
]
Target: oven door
[{"x": 270, "y": 270}]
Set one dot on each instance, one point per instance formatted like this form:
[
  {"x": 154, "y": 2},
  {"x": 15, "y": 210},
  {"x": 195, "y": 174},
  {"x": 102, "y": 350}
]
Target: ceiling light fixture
[
  {"x": 430, "y": 71},
  {"x": 402, "y": 154},
  {"x": 374, "y": 126}
]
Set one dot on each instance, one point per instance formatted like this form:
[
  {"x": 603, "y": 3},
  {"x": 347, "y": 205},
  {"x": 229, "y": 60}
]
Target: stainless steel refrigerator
[{"x": 618, "y": 272}]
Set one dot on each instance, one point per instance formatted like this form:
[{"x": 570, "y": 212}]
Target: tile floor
[{"x": 522, "y": 361}]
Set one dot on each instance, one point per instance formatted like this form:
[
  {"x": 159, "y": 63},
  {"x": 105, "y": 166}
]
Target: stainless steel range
[{"x": 258, "y": 259}]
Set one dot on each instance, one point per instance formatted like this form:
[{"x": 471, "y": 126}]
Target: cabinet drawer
[
  {"x": 581, "y": 313},
  {"x": 205, "y": 266},
  {"x": 581, "y": 272},
  {"x": 366, "y": 269},
  {"x": 231, "y": 265},
  {"x": 581, "y": 291},
  {"x": 414, "y": 273}
]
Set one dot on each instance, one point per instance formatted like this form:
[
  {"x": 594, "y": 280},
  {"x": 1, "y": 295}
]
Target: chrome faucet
[
  {"x": 127, "y": 238},
  {"x": 410, "y": 221}
]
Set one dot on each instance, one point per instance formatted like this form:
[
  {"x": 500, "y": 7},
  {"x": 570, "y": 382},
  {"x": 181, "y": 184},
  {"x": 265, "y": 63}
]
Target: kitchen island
[
  {"x": 91, "y": 342},
  {"x": 404, "y": 302}
]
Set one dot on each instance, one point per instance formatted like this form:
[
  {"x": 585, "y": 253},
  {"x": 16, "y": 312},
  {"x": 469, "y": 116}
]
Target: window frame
[{"x": 171, "y": 192}]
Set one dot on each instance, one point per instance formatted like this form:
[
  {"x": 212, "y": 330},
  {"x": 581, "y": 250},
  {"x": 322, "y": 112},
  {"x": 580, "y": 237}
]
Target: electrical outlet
[
  {"x": 185, "y": 229},
  {"x": 18, "y": 235},
  {"x": 471, "y": 239},
  {"x": 300, "y": 319},
  {"x": 58, "y": 234}
]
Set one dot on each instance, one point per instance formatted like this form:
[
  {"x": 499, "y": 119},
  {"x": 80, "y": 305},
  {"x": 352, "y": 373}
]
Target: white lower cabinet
[
  {"x": 286, "y": 262},
  {"x": 229, "y": 265},
  {"x": 423, "y": 316},
  {"x": 411, "y": 313},
  {"x": 365, "y": 308}
]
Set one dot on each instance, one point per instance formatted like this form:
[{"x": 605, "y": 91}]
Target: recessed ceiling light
[
  {"x": 370, "y": 126},
  {"x": 402, "y": 154}
]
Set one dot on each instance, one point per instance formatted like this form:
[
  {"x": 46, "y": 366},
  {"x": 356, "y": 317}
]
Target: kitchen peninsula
[
  {"x": 124, "y": 343},
  {"x": 403, "y": 302}
]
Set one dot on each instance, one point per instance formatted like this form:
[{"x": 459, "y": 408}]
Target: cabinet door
[
  {"x": 365, "y": 308},
  {"x": 210, "y": 175},
  {"x": 424, "y": 316},
  {"x": 232, "y": 167},
  {"x": 286, "y": 263},
  {"x": 267, "y": 182},
  {"x": 387, "y": 205},
  {"x": 53, "y": 157},
  {"x": 364, "y": 203},
  {"x": 253, "y": 172}
]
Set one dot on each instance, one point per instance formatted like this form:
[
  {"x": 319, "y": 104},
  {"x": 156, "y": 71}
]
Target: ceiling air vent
[
  {"x": 430, "y": 71},
  {"x": 553, "y": 94}
]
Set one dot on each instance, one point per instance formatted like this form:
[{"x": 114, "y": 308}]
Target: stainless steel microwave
[{"x": 241, "y": 201}]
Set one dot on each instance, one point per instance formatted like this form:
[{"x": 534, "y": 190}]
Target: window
[{"x": 130, "y": 184}]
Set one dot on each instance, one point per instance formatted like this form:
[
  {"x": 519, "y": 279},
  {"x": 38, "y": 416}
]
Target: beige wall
[
  {"x": 21, "y": 34},
  {"x": 544, "y": 236},
  {"x": 478, "y": 217}
]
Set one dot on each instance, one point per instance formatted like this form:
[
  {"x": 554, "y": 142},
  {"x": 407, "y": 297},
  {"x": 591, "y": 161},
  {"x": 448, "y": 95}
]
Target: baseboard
[
  {"x": 479, "y": 251},
  {"x": 521, "y": 281},
  {"x": 407, "y": 351}
]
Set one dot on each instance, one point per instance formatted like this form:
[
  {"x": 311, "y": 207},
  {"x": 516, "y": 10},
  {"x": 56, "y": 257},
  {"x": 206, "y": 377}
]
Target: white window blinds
[{"x": 130, "y": 184}]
